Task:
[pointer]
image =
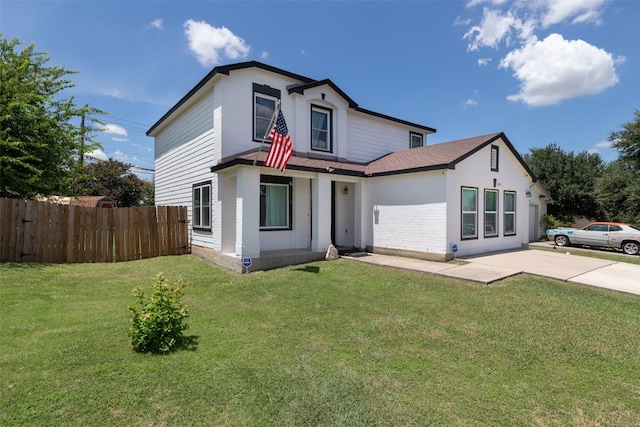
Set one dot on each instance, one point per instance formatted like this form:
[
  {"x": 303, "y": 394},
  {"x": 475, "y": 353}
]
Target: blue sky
[{"x": 542, "y": 71}]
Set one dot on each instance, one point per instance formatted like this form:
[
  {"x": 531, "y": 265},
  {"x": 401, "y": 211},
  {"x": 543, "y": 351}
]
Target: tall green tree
[
  {"x": 570, "y": 179},
  {"x": 618, "y": 192},
  {"x": 40, "y": 132},
  {"x": 627, "y": 140},
  {"x": 149, "y": 193},
  {"x": 113, "y": 179},
  {"x": 618, "y": 189}
]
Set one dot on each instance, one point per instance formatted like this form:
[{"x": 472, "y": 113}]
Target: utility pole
[{"x": 82, "y": 139}]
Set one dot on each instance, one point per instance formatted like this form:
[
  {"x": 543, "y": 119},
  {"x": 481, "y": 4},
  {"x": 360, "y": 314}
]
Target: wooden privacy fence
[{"x": 34, "y": 231}]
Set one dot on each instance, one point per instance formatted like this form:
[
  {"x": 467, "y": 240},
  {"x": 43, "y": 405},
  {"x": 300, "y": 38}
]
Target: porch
[{"x": 267, "y": 260}]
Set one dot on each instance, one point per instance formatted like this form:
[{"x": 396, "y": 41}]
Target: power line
[{"x": 126, "y": 120}]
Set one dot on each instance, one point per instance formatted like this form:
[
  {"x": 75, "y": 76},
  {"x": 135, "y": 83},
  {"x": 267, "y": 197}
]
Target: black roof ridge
[
  {"x": 226, "y": 69},
  {"x": 307, "y": 83}
]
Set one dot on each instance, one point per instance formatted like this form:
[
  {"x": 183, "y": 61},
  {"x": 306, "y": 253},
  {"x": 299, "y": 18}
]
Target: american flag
[{"x": 281, "y": 149}]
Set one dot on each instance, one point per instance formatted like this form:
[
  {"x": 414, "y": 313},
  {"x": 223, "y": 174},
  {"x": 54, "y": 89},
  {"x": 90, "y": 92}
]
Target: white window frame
[
  {"x": 416, "y": 140},
  {"x": 491, "y": 214},
  {"x": 508, "y": 213},
  {"x": 328, "y": 130},
  {"x": 467, "y": 213},
  {"x": 495, "y": 157},
  {"x": 201, "y": 206}
]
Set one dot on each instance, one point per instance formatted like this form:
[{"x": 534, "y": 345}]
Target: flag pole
[{"x": 269, "y": 128}]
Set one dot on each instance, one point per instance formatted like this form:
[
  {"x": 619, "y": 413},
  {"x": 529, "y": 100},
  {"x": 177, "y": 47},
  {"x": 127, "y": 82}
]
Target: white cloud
[
  {"x": 484, "y": 61},
  {"x": 550, "y": 70},
  {"x": 120, "y": 139},
  {"x": 472, "y": 3},
  {"x": 604, "y": 144},
  {"x": 114, "y": 129},
  {"x": 264, "y": 55},
  {"x": 157, "y": 24},
  {"x": 556, "y": 11},
  {"x": 210, "y": 43},
  {"x": 497, "y": 27},
  {"x": 470, "y": 103},
  {"x": 554, "y": 69},
  {"x": 98, "y": 155}
]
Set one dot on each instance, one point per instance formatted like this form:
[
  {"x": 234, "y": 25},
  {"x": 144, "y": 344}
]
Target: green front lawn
[{"x": 328, "y": 343}]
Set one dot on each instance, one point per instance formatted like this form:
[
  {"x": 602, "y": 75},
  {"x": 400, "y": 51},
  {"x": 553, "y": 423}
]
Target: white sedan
[{"x": 602, "y": 234}]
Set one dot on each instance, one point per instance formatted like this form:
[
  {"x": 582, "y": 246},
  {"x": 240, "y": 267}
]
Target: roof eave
[{"x": 225, "y": 70}]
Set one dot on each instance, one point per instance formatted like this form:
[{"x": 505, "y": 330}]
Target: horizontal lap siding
[
  {"x": 370, "y": 138},
  {"x": 185, "y": 152},
  {"x": 185, "y": 127}
]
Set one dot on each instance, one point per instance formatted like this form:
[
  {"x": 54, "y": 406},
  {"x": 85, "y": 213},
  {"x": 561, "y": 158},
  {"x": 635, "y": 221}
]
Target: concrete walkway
[{"x": 618, "y": 276}]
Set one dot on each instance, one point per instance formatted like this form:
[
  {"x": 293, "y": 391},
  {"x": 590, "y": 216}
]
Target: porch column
[
  {"x": 321, "y": 202},
  {"x": 248, "y": 212}
]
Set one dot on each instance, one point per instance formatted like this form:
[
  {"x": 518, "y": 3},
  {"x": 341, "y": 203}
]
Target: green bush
[
  {"x": 158, "y": 321},
  {"x": 549, "y": 221}
]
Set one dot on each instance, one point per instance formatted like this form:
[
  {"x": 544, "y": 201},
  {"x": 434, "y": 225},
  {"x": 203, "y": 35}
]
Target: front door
[{"x": 342, "y": 214}]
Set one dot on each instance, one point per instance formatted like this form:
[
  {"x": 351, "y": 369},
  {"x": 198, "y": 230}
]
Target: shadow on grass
[
  {"x": 308, "y": 269},
  {"x": 25, "y": 265},
  {"x": 189, "y": 343}
]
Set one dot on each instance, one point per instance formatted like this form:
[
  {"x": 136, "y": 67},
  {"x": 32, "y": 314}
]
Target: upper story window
[
  {"x": 494, "y": 158},
  {"x": 417, "y": 140},
  {"x": 264, "y": 105},
  {"x": 321, "y": 129}
]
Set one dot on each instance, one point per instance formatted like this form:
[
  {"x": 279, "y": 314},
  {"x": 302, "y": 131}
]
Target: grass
[
  {"x": 328, "y": 343},
  {"x": 607, "y": 254}
]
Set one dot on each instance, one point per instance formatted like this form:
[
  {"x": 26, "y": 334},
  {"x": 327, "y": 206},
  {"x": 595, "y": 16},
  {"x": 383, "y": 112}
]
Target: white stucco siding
[
  {"x": 299, "y": 122},
  {"x": 475, "y": 172},
  {"x": 370, "y": 137},
  {"x": 407, "y": 212},
  {"x": 236, "y": 94},
  {"x": 299, "y": 237}
]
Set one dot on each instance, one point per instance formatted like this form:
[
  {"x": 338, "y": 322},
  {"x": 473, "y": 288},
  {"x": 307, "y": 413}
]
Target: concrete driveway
[{"x": 618, "y": 276}]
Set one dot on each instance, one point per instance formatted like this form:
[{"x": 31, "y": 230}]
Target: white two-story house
[{"x": 357, "y": 178}]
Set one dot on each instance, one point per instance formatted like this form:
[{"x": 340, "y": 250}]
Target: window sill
[{"x": 202, "y": 229}]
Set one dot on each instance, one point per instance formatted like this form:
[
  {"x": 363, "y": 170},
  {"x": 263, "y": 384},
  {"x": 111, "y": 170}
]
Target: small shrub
[
  {"x": 549, "y": 221},
  {"x": 158, "y": 321}
]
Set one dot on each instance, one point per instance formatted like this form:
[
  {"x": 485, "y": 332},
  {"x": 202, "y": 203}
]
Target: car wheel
[
  {"x": 631, "y": 248},
  {"x": 561, "y": 240}
]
